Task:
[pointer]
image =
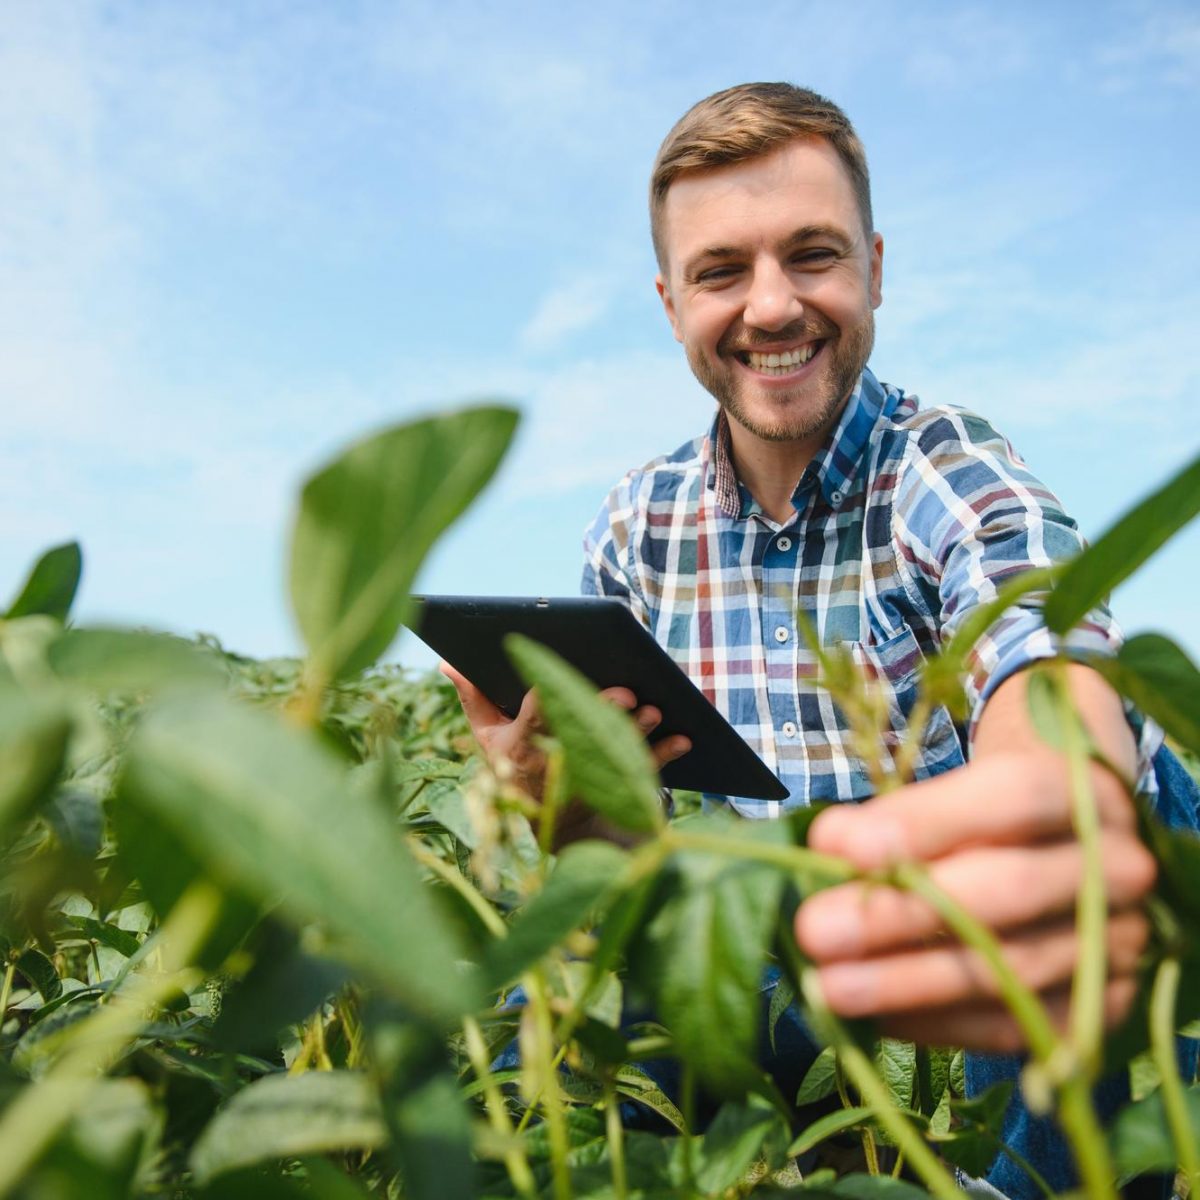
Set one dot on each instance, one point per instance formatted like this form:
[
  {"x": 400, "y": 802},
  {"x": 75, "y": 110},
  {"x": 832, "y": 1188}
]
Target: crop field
[{"x": 274, "y": 929}]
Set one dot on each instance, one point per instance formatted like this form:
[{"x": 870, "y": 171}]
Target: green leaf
[
  {"x": 120, "y": 940},
  {"x": 732, "y": 1143},
  {"x": 583, "y": 877},
  {"x": 896, "y": 1062},
  {"x": 130, "y": 660},
  {"x": 1162, "y": 681},
  {"x": 51, "y": 586},
  {"x": 932, "y": 1077},
  {"x": 77, "y": 819},
  {"x": 1141, "y": 1136},
  {"x": 781, "y": 999},
  {"x": 290, "y": 1115},
  {"x": 1119, "y": 552},
  {"x": 33, "y": 741},
  {"x": 40, "y": 972},
  {"x": 827, "y": 1126},
  {"x": 609, "y": 765},
  {"x": 976, "y": 1142},
  {"x": 267, "y": 810},
  {"x": 820, "y": 1080},
  {"x": 367, "y": 520},
  {"x": 432, "y": 1131},
  {"x": 701, "y": 956}
]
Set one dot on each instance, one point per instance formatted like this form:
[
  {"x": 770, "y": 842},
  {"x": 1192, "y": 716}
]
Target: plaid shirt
[{"x": 905, "y": 521}]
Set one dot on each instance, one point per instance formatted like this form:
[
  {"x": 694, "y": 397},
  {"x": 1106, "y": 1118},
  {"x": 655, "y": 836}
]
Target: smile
[{"x": 779, "y": 363}]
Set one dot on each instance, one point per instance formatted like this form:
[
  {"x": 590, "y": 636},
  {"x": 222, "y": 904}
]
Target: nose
[{"x": 771, "y": 300}]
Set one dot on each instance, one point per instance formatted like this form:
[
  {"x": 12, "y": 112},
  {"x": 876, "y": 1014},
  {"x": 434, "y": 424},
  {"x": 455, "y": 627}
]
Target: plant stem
[
  {"x": 1077, "y": 1116},
  {"x": 33, "y": 1120},
  {"x": 514, "y": 1155},
  {"x": 552, "y": 800},
  {"x": 1026, "y": 1008},
  {"x": 549, "y": 1098},
  {"x": 486, "y": 913},
  {"x": 875, "y": 1093},
  {"x": 6, "y": 989},
  {"x": 868, "y": 1138},
  {"x": 1091, "y": 912},
  {"x": 616, "y": 1140},
  {"x": 791, "y": 858},
  {"x": 1162, "y": 1044}
]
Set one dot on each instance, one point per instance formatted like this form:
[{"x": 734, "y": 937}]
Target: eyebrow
[{"x": 798, "y": 237}]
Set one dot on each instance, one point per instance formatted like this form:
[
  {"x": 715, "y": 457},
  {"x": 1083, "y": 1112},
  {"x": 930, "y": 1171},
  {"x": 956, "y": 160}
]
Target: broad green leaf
[
  {"x": 1141, "y": 1136},
  {"x": 781, "y": 999},
  {"x": 367, "y": 520},
  {"x": 608, "y": 763},
  {"x": 1178, "y": 854},
  {"x": 326, "y": 1182},
  {"x": 40, "y": 972},
  {"x": 896, "y": 1062},
  {"x": 290, "y": 1115},
  {"x": 701, "y": 956},
  {"x": 733, "y": 1141},
  {"x": 432, "y": 1132},
  {"x": 635, "y": 1084},
  {"x": 51, "y": 585},
  {"x": 1119, "y": 552},
  {"x": 120, "y": 940},
  {"x": 285, "y": 985},
  {"x": 164, "y": 865},
  {"x": 1162, "y": 681},
  {"x": 130, "y": 660},
  {"x": 976, "y": 1142},
  {"x": 820, "y": 1080},
  {"x": 33, "y": 741},
  {"x": 866, "y": 1187},
  {"x": 77, "y": 819},
  {"x": 583, "y": 877},
  {"x": 265, "y": 808},
  {"x": 826, "y": 1126}
]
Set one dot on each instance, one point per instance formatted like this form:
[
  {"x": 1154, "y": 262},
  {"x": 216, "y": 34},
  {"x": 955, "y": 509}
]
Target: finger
[
  {"x": 999, "y": 800},
  {"x": 947, "y": 973},
  {"x": 1003, "y": 887},
  {"x": 990, "y": 1028},
  {"x": 480, "y": 711},
  {"x": 647, "y": 718},
  {"x": 622, "y": 697},
  {"x": 670, "y": 748}
]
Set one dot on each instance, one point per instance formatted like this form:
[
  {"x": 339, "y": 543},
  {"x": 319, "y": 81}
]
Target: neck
[{"x": 771, "y": 470}]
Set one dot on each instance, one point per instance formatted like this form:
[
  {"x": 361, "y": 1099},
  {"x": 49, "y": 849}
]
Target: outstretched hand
[{"x": 997, "y": 837}]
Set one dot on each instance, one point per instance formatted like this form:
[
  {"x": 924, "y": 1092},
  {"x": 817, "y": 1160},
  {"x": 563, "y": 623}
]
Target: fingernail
[{"x": 646, "y": 722}]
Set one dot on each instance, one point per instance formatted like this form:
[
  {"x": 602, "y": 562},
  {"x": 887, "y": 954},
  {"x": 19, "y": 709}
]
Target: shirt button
[
  {"x": 784, "y": 543},
  {"x": 789, "y": 729},
  {"x": 837, "y": 497},
  {"x": 781, "y": 633}
]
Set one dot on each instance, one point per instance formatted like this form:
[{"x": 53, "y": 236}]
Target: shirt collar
[{"x": 833, "y": 468}]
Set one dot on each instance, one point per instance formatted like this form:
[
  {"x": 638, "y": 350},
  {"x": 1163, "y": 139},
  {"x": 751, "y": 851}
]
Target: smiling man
[{"x": 818, "y": 489}]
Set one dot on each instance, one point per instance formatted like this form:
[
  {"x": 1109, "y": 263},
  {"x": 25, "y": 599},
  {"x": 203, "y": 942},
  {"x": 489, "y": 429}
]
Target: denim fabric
[{"x": 1037, "y": 1138}]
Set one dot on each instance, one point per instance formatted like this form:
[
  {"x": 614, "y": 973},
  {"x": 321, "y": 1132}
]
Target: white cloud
[{"x": 568, "y": 309}]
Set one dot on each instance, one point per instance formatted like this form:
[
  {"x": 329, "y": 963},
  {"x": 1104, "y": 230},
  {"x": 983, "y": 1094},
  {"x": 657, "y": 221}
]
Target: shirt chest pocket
[{"x": 894, "y": 666}]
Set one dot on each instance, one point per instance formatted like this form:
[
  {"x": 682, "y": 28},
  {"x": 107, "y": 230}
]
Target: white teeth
[{"x": 780, "y": 364}]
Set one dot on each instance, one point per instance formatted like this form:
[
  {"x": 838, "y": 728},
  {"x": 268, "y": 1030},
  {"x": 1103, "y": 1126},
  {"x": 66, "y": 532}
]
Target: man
[{"x": 820, "y": 489}]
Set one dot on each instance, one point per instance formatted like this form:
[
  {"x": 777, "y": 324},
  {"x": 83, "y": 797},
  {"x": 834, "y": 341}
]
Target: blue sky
[{"x": 233, "y": 237}]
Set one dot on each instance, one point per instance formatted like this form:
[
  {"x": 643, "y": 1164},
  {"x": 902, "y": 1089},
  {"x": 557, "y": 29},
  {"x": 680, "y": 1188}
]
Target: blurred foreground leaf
[
  {"x": 1162, "y": 681},
  {"x": 608, "y": 763},
  {"x": 130, "y": 660},
  {"x": 33, "y": 741},
  {"x": 269, "y": 811},
  {"x": 50, "y": 588},
  {"x": 289, "y": 1115},
  {"x": 368, "y": 519}
]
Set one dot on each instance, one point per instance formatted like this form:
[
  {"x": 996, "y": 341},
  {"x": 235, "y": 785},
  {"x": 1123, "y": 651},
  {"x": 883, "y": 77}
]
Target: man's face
[{"x": 770, "y": 284}]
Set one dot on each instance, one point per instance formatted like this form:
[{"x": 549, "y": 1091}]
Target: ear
[
  {"x": 664, "y": 294},
  {"x": 876, "y": 270}
]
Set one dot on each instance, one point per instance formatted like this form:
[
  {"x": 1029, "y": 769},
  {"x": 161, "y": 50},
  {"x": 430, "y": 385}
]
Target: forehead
[{"x": 762, "y": 199}]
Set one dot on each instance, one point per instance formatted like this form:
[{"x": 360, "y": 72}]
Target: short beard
[{"x": 849, "y": 357}]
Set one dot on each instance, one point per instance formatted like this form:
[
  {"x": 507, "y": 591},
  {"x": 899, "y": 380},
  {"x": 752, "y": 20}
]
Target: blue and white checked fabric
[{"x": 906, "y": 520}]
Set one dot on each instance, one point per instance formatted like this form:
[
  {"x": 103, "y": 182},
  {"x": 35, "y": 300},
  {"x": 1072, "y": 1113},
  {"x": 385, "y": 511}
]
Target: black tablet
[{"x": 600, "y": 637}]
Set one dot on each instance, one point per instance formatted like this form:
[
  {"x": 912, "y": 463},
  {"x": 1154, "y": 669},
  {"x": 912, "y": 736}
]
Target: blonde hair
[{"x": 746, "y": 122}]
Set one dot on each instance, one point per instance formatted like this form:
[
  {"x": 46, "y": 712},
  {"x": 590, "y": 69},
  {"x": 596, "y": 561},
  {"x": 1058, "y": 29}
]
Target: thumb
[{"x": 480, "y": 711}]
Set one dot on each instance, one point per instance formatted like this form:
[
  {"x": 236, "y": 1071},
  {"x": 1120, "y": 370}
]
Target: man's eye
[
  {"x": 716, "y": 274},
  {"x": 815, "y": 257}
]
